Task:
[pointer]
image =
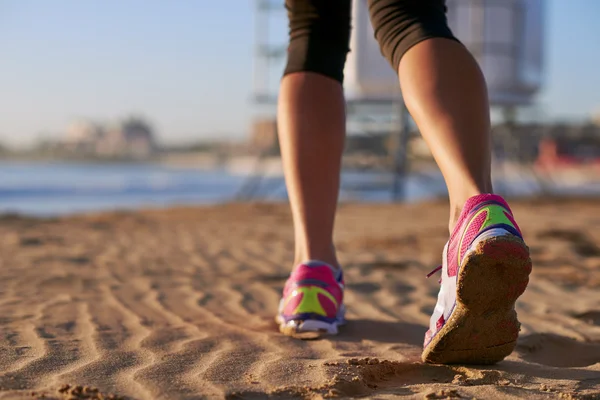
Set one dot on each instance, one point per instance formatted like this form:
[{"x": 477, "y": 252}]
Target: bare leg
[
  {"x": 446, "y": 94},
  {"x": 311, "y": 125},
  {"x": 474, "y": 319}
]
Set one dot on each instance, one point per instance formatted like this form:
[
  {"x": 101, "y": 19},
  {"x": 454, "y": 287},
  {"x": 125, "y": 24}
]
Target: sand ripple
[{"x": 178, "y": 304}]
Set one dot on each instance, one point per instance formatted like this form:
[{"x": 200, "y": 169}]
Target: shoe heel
[
  {"x": 484, "y": 328},
  {"x": 494, "y": 274}
]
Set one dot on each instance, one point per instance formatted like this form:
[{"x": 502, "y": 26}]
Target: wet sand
[{"x": 179, "y": 304}]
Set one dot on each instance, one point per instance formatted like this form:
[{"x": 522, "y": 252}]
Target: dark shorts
[{"x": 320, "y": 31}]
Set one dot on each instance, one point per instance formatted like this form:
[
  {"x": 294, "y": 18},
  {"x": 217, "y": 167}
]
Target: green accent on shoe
[
  {"x": 495, "y": 215},
  {"x": 310, "y": 300}
]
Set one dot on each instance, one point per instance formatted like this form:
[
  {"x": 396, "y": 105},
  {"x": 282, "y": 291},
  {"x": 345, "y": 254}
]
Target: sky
[{"x": 187, "y": 65}]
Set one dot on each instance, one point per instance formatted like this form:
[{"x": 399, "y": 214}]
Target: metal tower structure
[
  {"x": 506, "y": 37},
  {"x": 266, "y": 52},
  {"x": 367, "y": 115}
]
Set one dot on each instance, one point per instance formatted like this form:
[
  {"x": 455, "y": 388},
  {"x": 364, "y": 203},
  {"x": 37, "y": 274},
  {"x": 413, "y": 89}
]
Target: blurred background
[{"x": 108, "y": 104}]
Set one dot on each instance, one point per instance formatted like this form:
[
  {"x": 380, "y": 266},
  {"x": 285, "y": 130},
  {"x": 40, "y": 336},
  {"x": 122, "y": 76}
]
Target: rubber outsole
[
  {"x": 310, "y": 328},
  {"x": 483, "y": 328}
]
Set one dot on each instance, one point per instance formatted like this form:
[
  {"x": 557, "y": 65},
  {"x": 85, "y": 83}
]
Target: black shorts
[{"x": 319, "y": 34}]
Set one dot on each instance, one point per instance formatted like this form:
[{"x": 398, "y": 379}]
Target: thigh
[
  {"x": 319, "y": 36},
  {"x": 400, "y": 24},
  {"x": 326, "y": 19}
]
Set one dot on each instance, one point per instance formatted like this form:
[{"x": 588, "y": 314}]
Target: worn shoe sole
[
  {"x": 483, "y": 328},
  {"x": 308, "y": 329}
]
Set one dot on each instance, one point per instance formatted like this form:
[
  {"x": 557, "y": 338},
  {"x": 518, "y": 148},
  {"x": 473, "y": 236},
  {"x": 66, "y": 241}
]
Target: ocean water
[
  {"x": 68, "y": 188},
  {"x": 48, "y": 189},
  {"x": 65, "y": 188}
]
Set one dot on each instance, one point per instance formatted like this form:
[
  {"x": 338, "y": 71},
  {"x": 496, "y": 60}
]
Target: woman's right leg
[{"x": 311, "y": 124}]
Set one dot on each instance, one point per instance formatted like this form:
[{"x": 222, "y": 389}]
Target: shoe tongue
[{"x": 316, "y": 263}]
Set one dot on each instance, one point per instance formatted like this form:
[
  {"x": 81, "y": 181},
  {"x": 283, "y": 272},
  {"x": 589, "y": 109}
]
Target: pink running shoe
[
  {"x": 485, "y": 268},
  {"x": 312, "y": 302}
]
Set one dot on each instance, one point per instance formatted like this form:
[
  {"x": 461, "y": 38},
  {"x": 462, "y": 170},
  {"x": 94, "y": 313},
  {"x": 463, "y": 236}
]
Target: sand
[{"x": 179, "y": 304}]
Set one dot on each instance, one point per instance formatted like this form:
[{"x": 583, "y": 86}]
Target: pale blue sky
[{"x": 187, "y": 64}]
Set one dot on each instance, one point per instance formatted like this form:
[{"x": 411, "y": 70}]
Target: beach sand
[{"x": 179, "y": 304}]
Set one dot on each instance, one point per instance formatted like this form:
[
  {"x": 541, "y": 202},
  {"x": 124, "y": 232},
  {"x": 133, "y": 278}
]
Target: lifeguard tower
[{"x": 505, "y": 36}]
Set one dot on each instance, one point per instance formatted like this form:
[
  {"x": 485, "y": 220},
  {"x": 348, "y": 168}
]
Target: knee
[
  {"x": 319, "y": 36},
  {"x": 401, "y": 24}
]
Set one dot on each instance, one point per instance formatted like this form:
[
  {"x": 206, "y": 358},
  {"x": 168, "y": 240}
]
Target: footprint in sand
[
  {"x": 580, "y": 242},
  {"x": 364, "y": 287},
  {"x": 558, "y": 351},
  {"x": 590, "y": 317}
]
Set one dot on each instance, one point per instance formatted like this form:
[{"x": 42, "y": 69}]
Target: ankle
[
  {"x": 458, "y": 203},
  {"x": 326, "y": 255}
]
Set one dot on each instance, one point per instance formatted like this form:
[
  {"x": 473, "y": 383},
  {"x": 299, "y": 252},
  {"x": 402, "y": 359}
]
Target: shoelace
[{"x": 434, "y": 271}]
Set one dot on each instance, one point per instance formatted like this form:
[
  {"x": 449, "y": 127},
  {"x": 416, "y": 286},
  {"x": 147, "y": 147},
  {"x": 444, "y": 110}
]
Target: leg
[
  {"x": 486, "y": 264},
  {"x": 450, "y": 106},
  {"x": 444, "y": 91},
  {"x": 311, "y": 122}
]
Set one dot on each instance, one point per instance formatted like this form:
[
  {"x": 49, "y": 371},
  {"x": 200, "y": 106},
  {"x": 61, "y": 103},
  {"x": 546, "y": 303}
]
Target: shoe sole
[
  {"x": 483, "y": 328},
  {"x": 308, "y": 329}
]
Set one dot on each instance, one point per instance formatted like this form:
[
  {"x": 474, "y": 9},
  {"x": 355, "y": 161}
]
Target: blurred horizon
[{"x": 187, "y": 67}]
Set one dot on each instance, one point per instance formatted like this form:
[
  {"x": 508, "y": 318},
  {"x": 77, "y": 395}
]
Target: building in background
[
  {"x": 132, "y": 138},
  {"x": 81, "y": 136},
  {"x": 569, "y": 146}
]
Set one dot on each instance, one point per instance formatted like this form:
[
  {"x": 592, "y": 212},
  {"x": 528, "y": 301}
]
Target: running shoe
[
  {"x": 485, "y": 268},
  {"x": 312, "y": 302}
]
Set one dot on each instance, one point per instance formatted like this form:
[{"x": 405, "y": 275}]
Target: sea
[{"x": 62, "y": 188}]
